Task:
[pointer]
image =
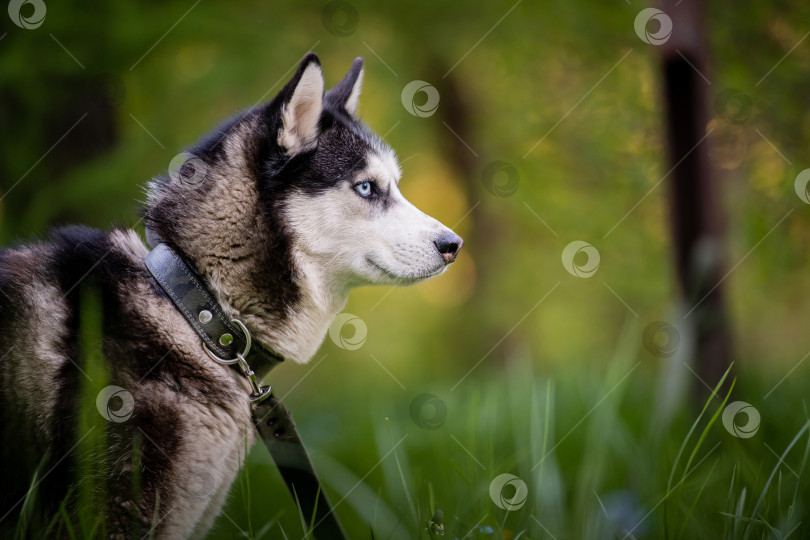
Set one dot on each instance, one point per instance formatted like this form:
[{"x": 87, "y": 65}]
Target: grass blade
[
  {"x": 695, "y": 501},
  {"x": 684, "y": 443},
  {"x": 758, "y": 505}
]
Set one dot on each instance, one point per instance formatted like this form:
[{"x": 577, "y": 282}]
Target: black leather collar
[{"x": 188, "y": 293}]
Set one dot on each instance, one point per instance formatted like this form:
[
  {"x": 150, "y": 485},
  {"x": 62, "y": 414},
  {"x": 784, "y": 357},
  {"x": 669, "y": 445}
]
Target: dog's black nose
[{"x": 449, "y": 244}]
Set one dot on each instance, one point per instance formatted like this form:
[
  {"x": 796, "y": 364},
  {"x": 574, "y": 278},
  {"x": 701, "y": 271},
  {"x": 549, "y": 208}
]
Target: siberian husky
[{"x": 281, "y": 210}]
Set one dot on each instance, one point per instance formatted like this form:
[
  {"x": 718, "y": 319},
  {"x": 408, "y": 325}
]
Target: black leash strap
[
  {"x": 276, "y": 426},
  {"x": 222, "y": 337}
]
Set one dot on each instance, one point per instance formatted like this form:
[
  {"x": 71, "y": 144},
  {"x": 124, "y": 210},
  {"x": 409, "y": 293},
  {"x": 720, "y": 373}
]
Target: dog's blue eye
[{"x": 364, "y": 189}]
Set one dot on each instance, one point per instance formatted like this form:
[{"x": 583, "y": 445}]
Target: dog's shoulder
[
  {"x": 41, "y": 287},
  {"x": 186, "y": 407},
  {"x": 69, "y": 256}
]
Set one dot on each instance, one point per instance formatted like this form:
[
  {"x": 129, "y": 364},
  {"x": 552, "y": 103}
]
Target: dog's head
[
  {"x": 323, "y": 179},
  {"x": 342, "y": 201},
  {"x": 294, "y": 202}
]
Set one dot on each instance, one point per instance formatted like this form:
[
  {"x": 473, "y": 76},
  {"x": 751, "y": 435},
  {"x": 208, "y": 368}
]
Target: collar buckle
[{"x": 260, "y": 393}]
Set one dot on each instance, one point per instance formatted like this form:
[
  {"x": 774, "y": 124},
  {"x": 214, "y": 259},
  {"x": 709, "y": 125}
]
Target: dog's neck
[
  {"x": 290, "y": 318},
  {"x": 286, "y": 298},
  {"x": 294, "y": 330},
  {"x": 289, "y": 315}
]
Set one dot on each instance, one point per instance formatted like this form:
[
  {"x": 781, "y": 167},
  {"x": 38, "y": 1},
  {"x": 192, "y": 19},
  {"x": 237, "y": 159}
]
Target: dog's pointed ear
[
  {"x": 302, "y": 106},
  {"x": 346, "y": 93}
]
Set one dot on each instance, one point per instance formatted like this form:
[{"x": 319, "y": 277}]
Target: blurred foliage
[{"x": 142, "y": 87}]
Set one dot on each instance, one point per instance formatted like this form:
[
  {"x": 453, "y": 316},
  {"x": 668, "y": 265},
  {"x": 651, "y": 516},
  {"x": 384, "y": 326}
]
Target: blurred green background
[{"x": 566, "y": 382}]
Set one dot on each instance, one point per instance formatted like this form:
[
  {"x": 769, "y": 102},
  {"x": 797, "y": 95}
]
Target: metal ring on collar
[{"x": 248, "y": 343}]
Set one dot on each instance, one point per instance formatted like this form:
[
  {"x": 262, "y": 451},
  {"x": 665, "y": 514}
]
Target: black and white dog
[{"x": 281, "y": 211}]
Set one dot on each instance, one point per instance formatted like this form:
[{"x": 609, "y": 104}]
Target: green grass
[
  {"x": 604, "y": 452},
  {"x": 599, "y": 457}
]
